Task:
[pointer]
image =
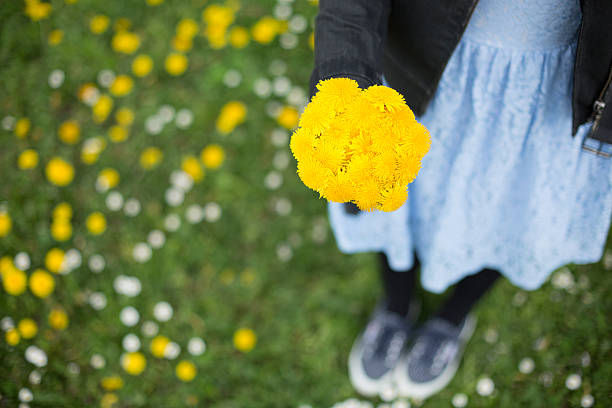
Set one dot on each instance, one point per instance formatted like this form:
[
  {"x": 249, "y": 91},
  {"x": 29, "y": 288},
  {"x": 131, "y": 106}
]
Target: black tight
[{"x": 399, "y": 285}]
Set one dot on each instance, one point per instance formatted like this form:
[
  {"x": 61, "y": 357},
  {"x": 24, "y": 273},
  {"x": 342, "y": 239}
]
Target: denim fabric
[{"x": 504, "y": 185}]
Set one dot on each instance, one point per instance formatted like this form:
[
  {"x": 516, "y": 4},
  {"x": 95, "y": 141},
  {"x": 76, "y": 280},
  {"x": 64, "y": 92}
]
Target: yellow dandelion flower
[
  {"x": 91, "y": 149},
  {"x": 69, "y": 132},
  {"x": 62, "y": 211},
  {"x": 158, "y": 346},
  {"x": 212, "y": 156},
  {"x": 22, "y": 127},
  {"x": 61, "y": 229},
  {"x": 27, "y": 328},
  {"x": 112, "y": 383},
  {"x": 182, "y": 44},
  {"x": 37, "y": 10},
  {"x": 6, "y": 223},
  {"x": 218, "y": 15},
  {"x": 88, "y": 93},
  {"x": 185, "y": 370},
  {"x": 239, "y": 37},
  {"x": 191, "y": 166},
  {"x": 133, "y": 363},
  {"x": 108, "y": 400},
  {"x": 316, "y": 117},
  {"x": 99, "y": 23},
  {"x": 339, "y": 188},
  {"x": 337, "y": 93},
  {"x": 108, "y": 178},
  {"x": 329, "y": 155},
  {"x": 54, "y": 260},
  {"x": 265, "y": 30},
  {"x": 14, "y": 281},
  {"x": 118, "y": 134},
  {"x": 125, "y": 42},
  {"x": 96, "y": 223},
  {"x": 150, "y": 157},
  {"x": 361, "y": 143},
  {"x": 12, "y": 337},
  {"x": 384, "y": 98},
  {"x": 359, "y": 168},
  {"x": 154, "y": 2},
  {"x": 312, "y": 173},
  {"x": 367, "y": 194},
  {"x": 142, "y": 65},
  {"x": 58, "y": 319},
  {"x": 176, "y": 64},
  {"x": 408, "y": 166},
  {"x": 102, "y": 108},
  {"x": 385, "y": 165},
  {"x": 187, "y": 28},
  {"x": 59, "y": 172},
  {"x": 244, "y": 339},
  {"x": 122, "y": 85},
  {"x": 232, "y": 114},
  {"x": 417, "y": 139},
  {"x": 302, "y": 144},
  {"x": 288, "y": 117},
  {"x": 124, "y": 116},
  {"x": 393, "y": 198},
  {"x": 28, "y": 159},
  {"x": 41, "y": 283},
  {"x": 55, "y": 37},
  {"x": 6, "y": 264}
]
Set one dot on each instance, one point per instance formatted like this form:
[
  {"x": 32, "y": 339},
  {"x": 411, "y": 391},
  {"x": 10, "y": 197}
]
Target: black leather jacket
[{"x": 411, "y": 41}]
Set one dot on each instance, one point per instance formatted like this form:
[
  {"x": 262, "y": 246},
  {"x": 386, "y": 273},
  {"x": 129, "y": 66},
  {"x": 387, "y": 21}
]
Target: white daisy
[
  {"x": 142, "y": 252},
  {"x": 22, "y": 261},
  {"x": 25, "y": 395},
  {"x": 163, "y": 311},
  {"x": 485, "y": 386},
  {"x": 282, "y": 206},
  {"x": 281, "y": 86},
  {"x": 184, "y": 118},
  {"x": 129, "y": 316},
  {"x": 279, "y": 137},
  {"x": 232, "y": 78},
  {"x": 97, "y": 361},
  {"x": 196, "y": 346},
  {"x": 573, "y": 382},
  {"x": 172, "y": 351},
  {"x": 273, "y": 180},
  {"x": 262, "y": 87},
  {"x": 36, "y": 356},
  {"x": 97, "y": 300},
  {"x": 284, "y": 252},
  {"x": 130, "y": 343},
  {"x": 459, "y": 400},
  {"x": 96, "y": 263},
  {"x": 132, "y": 207},
  {"x": 56, "y": 78},
  {"x": 106, "y": 77},
  {"x": 194, "y": 214},
  {"x": 150, "y": 328},
  {"x": 156, "y": 238},
  {"x": 172, "y": 222},
  {"x": 212, "y": 212},
  {"x": 526, "y": 365},
  {"x": 298, "y": 24}
]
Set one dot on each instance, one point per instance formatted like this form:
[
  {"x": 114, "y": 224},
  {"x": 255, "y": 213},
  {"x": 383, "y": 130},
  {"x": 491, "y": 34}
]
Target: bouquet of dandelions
[{"x": 363, "y": 146}]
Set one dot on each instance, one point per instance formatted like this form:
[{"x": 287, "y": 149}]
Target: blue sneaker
[
  {"x": 433, "y": 359},
  {"x": 377, "y": 350}
]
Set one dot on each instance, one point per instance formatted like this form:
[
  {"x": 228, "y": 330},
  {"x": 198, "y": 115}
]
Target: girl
[{"x": 518, "y": 180}]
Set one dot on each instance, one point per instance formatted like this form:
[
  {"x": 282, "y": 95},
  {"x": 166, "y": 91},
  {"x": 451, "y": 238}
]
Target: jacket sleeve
[{"x": 349, "y": 39}]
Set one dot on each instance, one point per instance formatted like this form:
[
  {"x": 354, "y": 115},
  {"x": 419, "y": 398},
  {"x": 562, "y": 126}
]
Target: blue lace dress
[{"x": 504, "y": 185}]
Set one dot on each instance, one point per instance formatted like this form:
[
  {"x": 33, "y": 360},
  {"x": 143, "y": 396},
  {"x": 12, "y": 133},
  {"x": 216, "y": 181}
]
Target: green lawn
[{"x": 251, "y": 249}]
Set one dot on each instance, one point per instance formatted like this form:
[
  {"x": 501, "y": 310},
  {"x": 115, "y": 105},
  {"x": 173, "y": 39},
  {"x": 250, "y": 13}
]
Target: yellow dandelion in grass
[
  {"x": 133, "y": 363},
  {"x": 99, "y": 23},
  {"x": 218, "y": 15},
  {"x": 302, "y": 143},
  {"x": 54, "y": 260},
  {"x": 41, "y": 283},
  {"x": 55, "y": 37},
  {"x": 181, "y": 44},
  {"x": 265, "y": 30},
  {"x": 150, "y": 157},
  {"x": 154, "y": 2},
  {"x": 244, "y": 339},
  {"x": 22, "y": 127},
  {"x": 122, "y": 85},
  {"x": 62, "y": 211},
  {"x": 124, "y": 116},
  {"x": 108, "y": 400},
  {"x": 59, "y": 172},
  {"x": 69, "y": 132},
  {"x": 14, "y": 281},
  {"x": 96, "y": 223},
  {"x": 232, "y": 114},
  {"x": 61, "y": 229},
  {"x": 108, "y": 178},
  {"x": 91, "y": 149},
  {"x": 212, "y": 156},
  {"x": 6, "y": 223},
  {"x": 239, "y": 37},
  {"x": 125, "y": 42},
  {"x": 37, "y": 10},
  {"x": 187, "y": 28},
  {"x": 176, "y": 64},
  {"x": 102, "y": 108},
  {"x": 58, "y": 319},
  {"x": 28, "y": 159},
  {"x": 27, "y": 328},
  {"x": 158, "y": 346},
  {"x": 12, "y": 337},
  {"x": 185, "y": 370},
  {"x": 118, "y": 134},
  {"x": 191, "y": 165},
  {"x": 142, "y": 65},
  {"x": 288, "y": 117},
  {"x": 112, "y": 383},
  {"x": 393, "y": 197}
]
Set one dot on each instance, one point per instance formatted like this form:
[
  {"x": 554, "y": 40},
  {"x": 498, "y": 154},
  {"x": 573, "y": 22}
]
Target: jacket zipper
[{"x": 600, "y": 104}]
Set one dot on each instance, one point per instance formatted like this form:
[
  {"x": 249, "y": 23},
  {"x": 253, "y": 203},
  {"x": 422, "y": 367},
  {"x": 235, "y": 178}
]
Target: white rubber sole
[
  {"x": 363, "y": 384},
  {"x": 421, "y": 391}
]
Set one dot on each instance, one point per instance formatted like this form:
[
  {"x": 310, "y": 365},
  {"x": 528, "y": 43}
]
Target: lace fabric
[{"x": 505, "y": 185}]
